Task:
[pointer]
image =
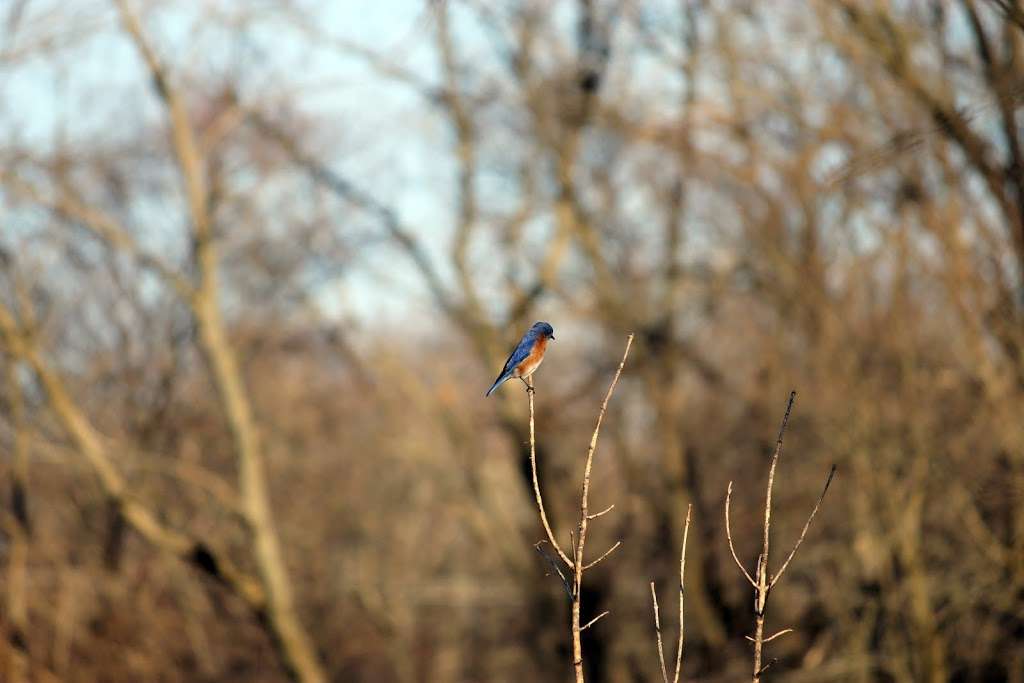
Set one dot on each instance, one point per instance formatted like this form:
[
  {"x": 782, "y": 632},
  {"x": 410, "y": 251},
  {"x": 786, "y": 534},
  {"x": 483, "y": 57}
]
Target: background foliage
[{"x": 351, "y": 222}]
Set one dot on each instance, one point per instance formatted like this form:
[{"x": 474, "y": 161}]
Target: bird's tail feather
[{"x": 497, "y": 383}]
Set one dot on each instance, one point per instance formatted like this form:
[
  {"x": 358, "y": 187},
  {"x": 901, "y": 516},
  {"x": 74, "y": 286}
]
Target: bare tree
[
  {"x": 271, "y": 596},
  {"x": 765, "y": 580},
  {"x": 575, "y": 565}
]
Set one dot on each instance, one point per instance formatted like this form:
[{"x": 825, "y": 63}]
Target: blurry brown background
[{"x": 260, "y": 260}]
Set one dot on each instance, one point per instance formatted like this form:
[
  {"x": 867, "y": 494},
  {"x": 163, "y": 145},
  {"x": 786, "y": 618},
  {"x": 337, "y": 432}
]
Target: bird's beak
[{"x": 552, "y": 337}]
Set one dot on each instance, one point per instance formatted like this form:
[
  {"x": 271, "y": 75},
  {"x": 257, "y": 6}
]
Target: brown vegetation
[{"x": 257, "y": 267}]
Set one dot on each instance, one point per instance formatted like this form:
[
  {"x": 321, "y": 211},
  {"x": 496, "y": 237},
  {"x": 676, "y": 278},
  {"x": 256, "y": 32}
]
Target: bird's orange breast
[{"x": 529, "y": 364}]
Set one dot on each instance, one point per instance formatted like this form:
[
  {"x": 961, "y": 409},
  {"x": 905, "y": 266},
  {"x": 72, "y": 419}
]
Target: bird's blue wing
[
  {"x": 520, "y": 353},
  {"x": 517, "y": 356}
]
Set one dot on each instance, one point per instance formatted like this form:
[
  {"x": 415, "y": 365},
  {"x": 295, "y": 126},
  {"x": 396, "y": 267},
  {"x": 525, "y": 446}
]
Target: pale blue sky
[{"x": 394, "y": 145}]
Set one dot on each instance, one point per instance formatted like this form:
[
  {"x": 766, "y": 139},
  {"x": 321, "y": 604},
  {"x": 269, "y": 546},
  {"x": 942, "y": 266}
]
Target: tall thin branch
[
  {"x": 536, "y": 483},
  {"x": 581, "y": 535},
  {"x": 657, "y": 616},
  {"x": 771, "y": 474},
  {"x": 657, "y": 630},
  {"x": 682, "y": 575},
  {"x": 762, "y": 560}
]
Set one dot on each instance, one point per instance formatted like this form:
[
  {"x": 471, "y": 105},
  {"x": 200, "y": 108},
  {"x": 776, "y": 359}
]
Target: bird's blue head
[{"x": 543, "y": 330}]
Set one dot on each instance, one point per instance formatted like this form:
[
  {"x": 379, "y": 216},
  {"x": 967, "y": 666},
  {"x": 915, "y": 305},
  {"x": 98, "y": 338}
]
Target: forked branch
[
  {"x": 763, "y": 580},
  {"x": 577, "y": 541}
]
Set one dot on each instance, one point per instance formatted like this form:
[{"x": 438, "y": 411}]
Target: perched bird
[{"x": 527, "y": 355}]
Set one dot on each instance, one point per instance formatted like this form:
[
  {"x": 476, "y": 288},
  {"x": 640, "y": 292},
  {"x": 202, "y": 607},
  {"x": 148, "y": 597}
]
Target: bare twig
[
  {"x": 538, "y": 546},
  {"x": 682, "y": 575},
  {"x": 606, "y": 554},
  {"x": 762, "y": 560},
  {"x": 766, "y": 666},
  {"x": 771, "y": 473},
  {"x": 657, "y": 620},
  {"x": 603, "y": 512},
  {"x": 594, "y": 620},
  {"x": 773, "y": 636},
  {"x": 728, "y": 535},
  {"x": 536, "y": 482},
  {"x": 657, "y": 631},
  {"x": 807, "y": 524}
]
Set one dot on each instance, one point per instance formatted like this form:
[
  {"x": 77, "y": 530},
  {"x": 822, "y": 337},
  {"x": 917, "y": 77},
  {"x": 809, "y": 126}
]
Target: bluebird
[{"x": 527, "y": 355}]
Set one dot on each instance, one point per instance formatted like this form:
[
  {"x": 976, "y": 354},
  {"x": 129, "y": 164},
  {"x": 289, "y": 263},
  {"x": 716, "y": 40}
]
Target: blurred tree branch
[{"x": 296, "y": 646}]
